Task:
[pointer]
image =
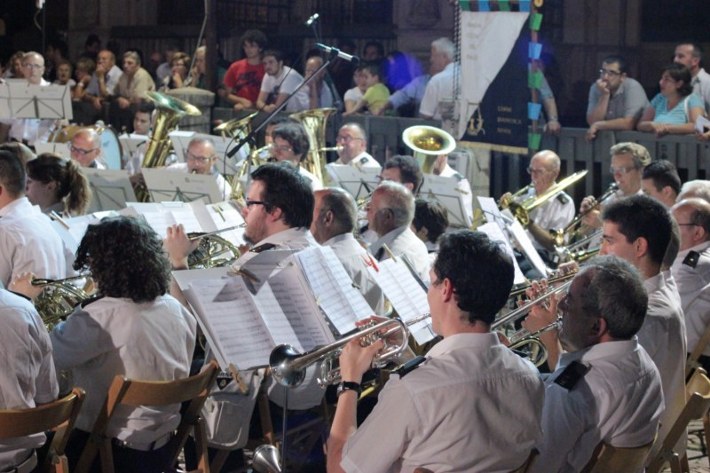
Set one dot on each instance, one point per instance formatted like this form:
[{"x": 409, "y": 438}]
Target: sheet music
[
  {"x": 184, "y": 214},
  {"x": 300, "y": 308},
  {"x": 111, "y": 189},
  {"x": 280, "y": 326},
  {"x": 406, "y": 295},
  {"x": 225, "y": 215},
  {"x": 496, "y": 234},
  {"x": 358, "y": 182},
  {"x": 153, "y": 213},
  {"x": 342, "y": 303},
  {"x": 448, "y": 192},
  {"x": 526, "y": 246}
]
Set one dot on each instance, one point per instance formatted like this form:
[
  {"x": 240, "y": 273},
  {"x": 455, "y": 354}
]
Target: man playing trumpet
[{"x": 440, "y": 415}]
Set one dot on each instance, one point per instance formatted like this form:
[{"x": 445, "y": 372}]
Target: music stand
[
  {"x": 165, "y": 185},
  {"x": 110, "y": 189},
  {"x": 19, "y": 99},
  {"x": 180, "y": 139},
  {"x": 445, "y": 191},
  {"x": 132, "y": 143},
  {"x": 358, "y": 182},
  {"x": 60, "y": 149}
]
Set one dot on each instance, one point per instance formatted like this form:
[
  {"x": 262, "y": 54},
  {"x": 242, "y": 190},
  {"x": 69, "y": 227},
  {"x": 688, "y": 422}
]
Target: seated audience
[
  {"x": 354, "y": 95},
  {"x": 179, "y": 66},
  {"x": 244, "y": 77},
  {"x": 279, "y": 82},
  {"x": 441, "y": 84},
  {"x": 376, "y": 95}
]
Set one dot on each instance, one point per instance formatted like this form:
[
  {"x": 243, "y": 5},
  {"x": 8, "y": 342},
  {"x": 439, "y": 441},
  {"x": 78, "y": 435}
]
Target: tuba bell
[
  {"x": 427, "y": 144},
  {"x": 315, "y": 121}
]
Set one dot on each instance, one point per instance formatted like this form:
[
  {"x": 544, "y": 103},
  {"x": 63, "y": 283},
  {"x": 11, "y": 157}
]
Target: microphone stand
[
  {"x": 328, "y": 80},
  {"x": 270, "y": 116}
]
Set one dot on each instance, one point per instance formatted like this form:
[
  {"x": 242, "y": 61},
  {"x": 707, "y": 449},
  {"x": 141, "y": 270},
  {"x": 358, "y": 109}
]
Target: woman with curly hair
[
  {"x": 57, "y": 184},
  {"x": 133, "y": 328}
]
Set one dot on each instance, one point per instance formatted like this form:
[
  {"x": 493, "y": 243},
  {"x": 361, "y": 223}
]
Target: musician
[
  {"x": 430, "y": 222},
  {"x": 28, "y": 377},
  {"x": 554, "y": 214},
  {"x": 445, "y": 414},
  {"x": 200, "y": 158},
  {"x": 441, "y": 168},
  {"x": 660, "y": 180},
  {"x": 638, "y": 229},
  {"x": 135, "y": 329},
  {"x": 57, "y": 185},
  {"x": 85, "y": 148},
  {"x": 352, "y": 143},
  {"x": 405, "y": 170},
  {"x": 696, "y": 188},
  {"x": 606, "y": 387},
  {"x": 334, "y": 220},
  {"x": 627, "y": 163},
  {"x": 27, "y": 242},
  {"x": 290, "y": 143},
  {"x": 390, "y": 214},
  {"x": 691, "y": 269}
]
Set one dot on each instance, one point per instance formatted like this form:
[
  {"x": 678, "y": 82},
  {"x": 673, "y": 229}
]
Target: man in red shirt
[{"x": 243, "y": 78}]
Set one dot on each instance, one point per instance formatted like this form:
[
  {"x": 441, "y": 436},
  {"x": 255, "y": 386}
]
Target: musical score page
[{"x": 341, "y": 302}]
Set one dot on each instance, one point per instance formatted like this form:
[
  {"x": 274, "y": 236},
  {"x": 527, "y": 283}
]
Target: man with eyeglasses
[
  {"x": 200, "y": 158},
  {"x": 627, "y": 163},
  {"x": 85, "y": 148},
  {"x": 606, "y": 387},
  {"x": 28, "y": 130},
  {"x": 352, "y": 147},
  {"x": 616, "y": 101},
  {"x": 691, "y": 270}
]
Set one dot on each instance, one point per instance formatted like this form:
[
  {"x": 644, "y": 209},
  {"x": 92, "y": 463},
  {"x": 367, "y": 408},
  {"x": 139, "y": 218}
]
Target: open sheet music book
[
  {"x": 406, "y": 294},
  {"x": 195, "y": 216},
  {"x": 72, "y": 229},
  {"x": 456, "y": 199},
  {"x": 358, "y": 182}
]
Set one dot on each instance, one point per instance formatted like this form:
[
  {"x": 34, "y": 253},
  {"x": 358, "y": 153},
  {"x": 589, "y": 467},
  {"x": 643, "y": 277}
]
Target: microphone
[
  {"x": 339, "y": 53},
  {"x": 314, "y": 17}
]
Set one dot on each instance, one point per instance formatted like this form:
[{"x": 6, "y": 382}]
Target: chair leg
[
  {"x": 684, "y": 463},
  {"x": 706, "y": 430},
  {"x": 203, "y": 464},
  {"x": 675, "y": 464}
]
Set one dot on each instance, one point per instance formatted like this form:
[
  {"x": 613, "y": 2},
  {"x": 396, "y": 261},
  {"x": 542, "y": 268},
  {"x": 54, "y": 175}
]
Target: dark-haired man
[
  {"x": 606, "y": 388},
  {"x": 660, "y": 180},
  {"x": 278, "y": 83},
  {"x": 616, "y": 101},
  {"x": 404, "y": 170},
  {"x": 27, "y": 242},
  {"x": 243, "y": 78},
  {"x": 691, "y": 55},
  {"x": 290, "y": 143},
  {"x": 444, "y": 415}
]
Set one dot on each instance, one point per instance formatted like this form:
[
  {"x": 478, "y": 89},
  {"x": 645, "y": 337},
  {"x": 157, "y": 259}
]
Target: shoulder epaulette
[
  {"x": 571, "y": 375},
  {"x": 562, "y": 197},
  {"x": 692, "y": 259},
  {"x": 409, "y": 366},
  {"x": 262, "y": 248}
]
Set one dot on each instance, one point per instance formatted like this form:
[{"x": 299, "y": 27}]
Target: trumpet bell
[
  {"x": 427, "y": 143},
  {"x": 266, "y": 459},
  {"x": 283, "y": 368}
]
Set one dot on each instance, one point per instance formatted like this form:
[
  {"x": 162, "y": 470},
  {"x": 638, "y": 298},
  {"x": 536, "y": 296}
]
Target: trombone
[{"x": 572, "y": 227}]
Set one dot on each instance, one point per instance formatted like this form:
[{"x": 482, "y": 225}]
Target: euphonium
[
  {"x": 427, "y": 144},
  {"x": 315, "y": 121},
  {"x": 59, "y": 297}
]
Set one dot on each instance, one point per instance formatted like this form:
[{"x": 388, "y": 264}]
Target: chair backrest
[
  {"x": 696, "y": 407},
  {"x": 692, "y": 363},
  {"x": 59, "y": 415},
  {"x": 124, "y": 391},
  {"x": 608, "y": 458}
]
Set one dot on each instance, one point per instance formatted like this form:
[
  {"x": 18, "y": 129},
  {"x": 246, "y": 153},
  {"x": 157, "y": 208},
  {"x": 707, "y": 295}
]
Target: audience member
[
  {"x": 244, "y": 78},
  {"x": 376, "y": 95},
  {"x": 319, "y": 93},
  {"x": 691, "y": 55},
  {"x": 441, "y": 85},
  {"x": 353, "y": 96},
  {"x": 279, "y": 82}
]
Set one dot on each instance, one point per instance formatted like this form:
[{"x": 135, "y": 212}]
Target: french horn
[{"x": 59, "y": 297}]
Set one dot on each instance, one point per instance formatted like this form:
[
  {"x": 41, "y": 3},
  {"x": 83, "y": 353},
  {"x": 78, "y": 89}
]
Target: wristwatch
[{"x": 348, "y": 386}]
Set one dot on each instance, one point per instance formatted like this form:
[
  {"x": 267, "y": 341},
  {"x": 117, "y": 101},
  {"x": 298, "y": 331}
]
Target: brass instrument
[
  {"x": 170, "y": 111},
  {"x": 572, "y": 228},
  {"x": 427, "y": 144},
  {"x": 315, "y": 121},
  {"x": 59, "y": 298},
  {"x": 531, "y": 344},
  {"x": 288, "y": 367},
  {"x": 213, "y": 250},
  {"x": 266, "y": 459},
  {"x": 521, "y": 210},
  {"x": 240, "y": 181},
  {"x": 236, "y": 127},
  {"x": 520, "y": 290},
  {"x": 521, "y": 311}
]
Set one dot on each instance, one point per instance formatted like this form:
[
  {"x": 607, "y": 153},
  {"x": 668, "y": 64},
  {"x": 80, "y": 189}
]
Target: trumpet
[
  {"x": 289, "y": 367},
  {"x": 572, "y": 227},
  {"x": 520, "y": 290},
  {"x": 337, "y": 149},
  {"x": 521, "y": 311},
  {"x": 530, "y": 342}
]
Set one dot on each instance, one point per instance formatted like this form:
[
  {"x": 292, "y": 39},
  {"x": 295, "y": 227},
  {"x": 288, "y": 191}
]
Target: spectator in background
[
  {"x": 373, "y": 51},
  {"x": 13, "y": 70},
  {"x": 165, "y": 69},
  {"x": 64, "y": 74},
  {"x": 340, "y": 70},
  {"x": 92, "y": 46},
  {"x": 376, "y": 95},
  {"x": 180, "y": 64},
  {"x": 278, "y": 83},
  {"x": 441, "y": 85},
  {"x": 245, "y": 77},
  {"x": 56, "y": 52},
  {"x": 85, "y": 68},
  {"x": 675, "y": 109},
  {"x": 690, "y": 55},
  {"x": 354, "y": 95}
]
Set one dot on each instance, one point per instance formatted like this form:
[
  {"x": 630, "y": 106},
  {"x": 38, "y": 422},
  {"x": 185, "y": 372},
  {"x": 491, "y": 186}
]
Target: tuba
[
  {"x": 315, "y": 121},
  {"x": 428, "y": 143},
  {"x": 170, "y": 111}
]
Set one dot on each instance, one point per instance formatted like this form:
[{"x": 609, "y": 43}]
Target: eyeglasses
[
  {"x": 532, "y": 171},
  {"x": 80, "y": 151},
  {"x": 688, "y": 224},
  {"x": 347, "y": 139},
  {"x": 621, "y": 170},
  {"x": 199, "y": 159},
  {"x": 284, "y": 148},
  {"x": 608, "y": 72},
  {"x": 33, "y": 66},
  {"x": 249, "y": 203}
]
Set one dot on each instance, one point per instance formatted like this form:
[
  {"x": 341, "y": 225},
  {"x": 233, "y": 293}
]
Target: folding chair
[
  {"x": 58, "y": 416},
  {"x": 696, "y": 408},
  {"x": 607, "y": 458},
  {"x": 124, "y": 391}
]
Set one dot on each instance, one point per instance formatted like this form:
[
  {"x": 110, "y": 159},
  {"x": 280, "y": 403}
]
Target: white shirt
[
  {"x": 285, "y": 83},
  {"x": 222, "y": 183},
  {"x": 463, "y": 187},
  {"x": 353, "y": 95},
  {"x": 150, "y": 341},
  {"x": 440, "y": 87},
  {"x": 353, "y": 256},
  {"x": 554, "y": 214},
  {"x": 362, "y": 160},
  {"x": 28, "y": 377},
  {"x": 663, "y": 336},
  {"x": 403, "y": 241},
  {"x": 111, "y": 80},
  {"x": 474, "y": 405},
  {"x": 694, "y": 290},
  {"x": 618, "y": 401},
  {"x": 316, "y": 184},
  {"x": 29, "y": 244},
  {"x": 701, "y": 86}
]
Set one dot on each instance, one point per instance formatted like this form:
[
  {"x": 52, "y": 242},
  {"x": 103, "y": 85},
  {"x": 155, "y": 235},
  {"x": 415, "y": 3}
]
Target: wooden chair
[
  {"x": 696, "y": 408},
  {"x": 607, "y": 458},
  {"x": 58, "y": 416},
  {"x": 692, "y": 363},
  {"x": 124, "y": 391}
]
